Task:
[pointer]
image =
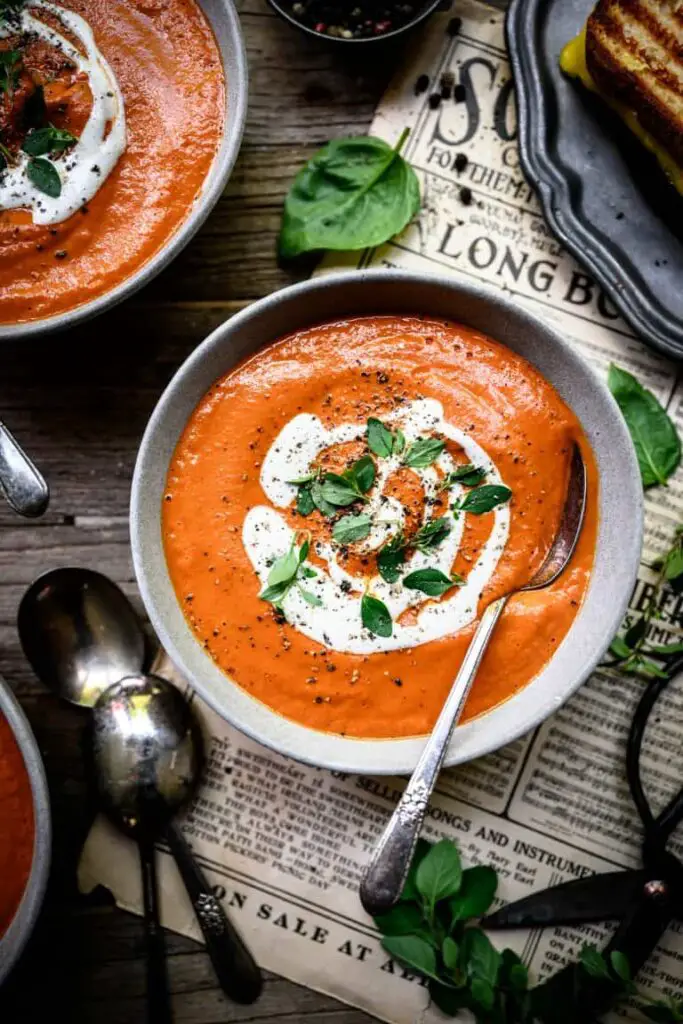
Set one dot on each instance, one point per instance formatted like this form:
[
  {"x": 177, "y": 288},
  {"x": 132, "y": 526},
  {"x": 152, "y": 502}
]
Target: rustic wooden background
[{"x": 79, "y": 403}]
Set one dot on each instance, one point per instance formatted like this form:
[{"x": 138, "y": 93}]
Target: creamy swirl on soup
[{"x": 342, "y": 506}]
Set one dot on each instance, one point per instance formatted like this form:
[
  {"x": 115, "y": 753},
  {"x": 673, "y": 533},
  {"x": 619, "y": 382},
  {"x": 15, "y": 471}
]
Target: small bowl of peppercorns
[{"x": 355, "y": 21}]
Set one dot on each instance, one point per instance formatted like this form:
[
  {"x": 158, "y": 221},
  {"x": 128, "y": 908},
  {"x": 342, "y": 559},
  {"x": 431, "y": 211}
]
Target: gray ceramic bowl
[
  {"x": 16, "y": 936},
  {"x": 225, "y": 23},
  {"x": 371, "y": 292}
]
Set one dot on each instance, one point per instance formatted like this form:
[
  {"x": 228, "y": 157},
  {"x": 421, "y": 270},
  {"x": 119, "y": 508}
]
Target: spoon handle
[
  {"x": 158, "y": 995},
  {"x": 386, "y": 874},
  {"x": 236, "y": 970},
  {"x": 20, "y": 481}
]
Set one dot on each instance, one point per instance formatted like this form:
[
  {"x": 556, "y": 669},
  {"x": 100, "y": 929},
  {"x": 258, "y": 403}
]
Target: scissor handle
[{"x": 657, "y": 830}]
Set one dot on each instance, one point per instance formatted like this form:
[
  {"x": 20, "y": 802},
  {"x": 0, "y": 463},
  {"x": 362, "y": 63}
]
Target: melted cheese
[{"x": 573, "y": 62}]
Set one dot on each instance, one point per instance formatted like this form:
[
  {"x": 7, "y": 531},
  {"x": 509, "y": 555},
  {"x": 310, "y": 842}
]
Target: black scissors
[{"x": 644, "y": 901}]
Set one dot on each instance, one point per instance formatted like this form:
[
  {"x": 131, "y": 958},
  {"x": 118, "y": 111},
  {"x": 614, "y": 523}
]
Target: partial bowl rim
[
  {"x": 234, "y": 60},
  {"x": 334, "y": 296},
  {"x": 431, "y": 6},
  {"x": 13, "y": 941}
]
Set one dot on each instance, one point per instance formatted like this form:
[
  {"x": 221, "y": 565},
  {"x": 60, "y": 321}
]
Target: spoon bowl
[
  {"x": 80, "y": 633},
  {"x": 148, "y": 753}
]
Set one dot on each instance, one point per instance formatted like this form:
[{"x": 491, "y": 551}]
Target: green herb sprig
[
  {"x": 423, "y": 452},
  {"x": 353, "y": 193},
  {"x": 468, "y": 475},
  {"x": 48, "y": 140},
  {"x": 432, "y": 582},
  {"x": 287, "y": 572},
  {"x": 382, "y": 441},
  {"x": 434, "y": 931}
]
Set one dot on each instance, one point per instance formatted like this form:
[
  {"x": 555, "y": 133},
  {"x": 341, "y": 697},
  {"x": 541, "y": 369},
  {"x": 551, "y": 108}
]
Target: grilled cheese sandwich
[{"x": 631, "y": 54}]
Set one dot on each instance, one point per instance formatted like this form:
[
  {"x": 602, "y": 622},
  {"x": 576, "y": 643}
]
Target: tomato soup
[
  {"x": 111, "y": 113},
  {"x": 16, "y": 825},
  {"x": 342, "y": 506}
]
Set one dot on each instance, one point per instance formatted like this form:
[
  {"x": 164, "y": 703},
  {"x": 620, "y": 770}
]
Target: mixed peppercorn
[{"x": 362, "y": 20}]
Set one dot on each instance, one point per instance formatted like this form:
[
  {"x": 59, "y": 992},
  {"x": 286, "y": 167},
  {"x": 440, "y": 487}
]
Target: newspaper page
[{"x": 284, "y": 844}]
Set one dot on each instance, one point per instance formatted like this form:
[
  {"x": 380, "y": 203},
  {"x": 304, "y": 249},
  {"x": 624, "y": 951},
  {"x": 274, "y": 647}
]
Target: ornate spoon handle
[
  {"x": 20, "y": 481},
  {"x": 386, "y": 874}
]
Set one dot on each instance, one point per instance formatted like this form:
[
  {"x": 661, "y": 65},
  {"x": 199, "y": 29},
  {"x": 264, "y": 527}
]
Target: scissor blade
[{"x": 598, "y": 898}]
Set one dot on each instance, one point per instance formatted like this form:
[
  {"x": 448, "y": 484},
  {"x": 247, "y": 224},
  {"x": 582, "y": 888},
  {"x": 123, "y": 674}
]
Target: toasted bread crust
[{"x": 634, "y": 53}]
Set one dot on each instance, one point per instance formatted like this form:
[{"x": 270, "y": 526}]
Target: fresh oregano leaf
[
  {"x": 432, "y": 534},
  {"x": 620, "y": 965},
  {"x": 423, "y": 452},
  {"x": 304, "y": 499},
  {"x": 276, "y": 593},
  {"x": 351, "y": 528},
  {"x": 410, "y": 890},
  {"x": 390, "y": 559},
  {"x": 362, "y": 474},
  {"x": 44, "y": 176},
  {"x": 482, "y": 993},
  {"x": 593, "y": 962},
  {"x": 352, "y": 194},
  {"x": 440, "y": 873},
  {"x": 339, "y": 491},
  {"x": 48, "y": 140},
  {"x": 449, "y": 953},
  {"x": 484, "y": 499},
  {"x": 477, "y": 889},
  {"x": 380, "y": 438},
  {"x": 432, "y": 582},
  {"x": 403, "y": 919},
  {"x": 657, "y": 444},
  {"x": 375, "y": 616},
  {"x": 399, "y": 442},
  {"x": 284, "y": 568},
  {"x": 468, "y": 475},
  {"x": 479, "y": 955},
  {"x": 323, "y": 506},
  {"x": 412, "y": 951},
  {"x": 310, "y": 598}
]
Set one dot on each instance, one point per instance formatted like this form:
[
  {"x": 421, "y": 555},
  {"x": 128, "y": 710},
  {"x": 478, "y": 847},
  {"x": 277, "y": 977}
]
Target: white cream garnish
[
  {"x": 85, "y": 166},
  {"x": 337, "y": 623}
]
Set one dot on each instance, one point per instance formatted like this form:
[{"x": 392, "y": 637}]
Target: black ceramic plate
[{"x": 603, "y": 195}]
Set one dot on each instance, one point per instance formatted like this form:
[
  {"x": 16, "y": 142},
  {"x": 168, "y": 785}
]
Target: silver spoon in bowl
[
  {"x": 385, "y": 876},
  {"x": 82, "y": 636}
]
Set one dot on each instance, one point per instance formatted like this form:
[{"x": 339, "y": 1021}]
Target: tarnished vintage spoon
[
  {"x": 386, "y": 874},
  {"x": 81, "y": 635},
  {"x": 21, "y": 483}
]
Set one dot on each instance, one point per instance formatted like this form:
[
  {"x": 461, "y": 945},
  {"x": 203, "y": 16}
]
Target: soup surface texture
[
  {"x": 124, "y": 101},
  {"x": 377, "y": 481},
  {"x": 16, "y": 825}
]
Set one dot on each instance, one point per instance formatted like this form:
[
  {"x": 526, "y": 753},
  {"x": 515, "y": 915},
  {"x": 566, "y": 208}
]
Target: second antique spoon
[
  {"x": 81, "y": 635},
  {"x": 386, "y": 874}
]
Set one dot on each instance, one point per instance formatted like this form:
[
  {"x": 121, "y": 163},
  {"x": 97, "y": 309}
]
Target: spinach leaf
[
  {"x": 44, "y": 176},
  {"x": 390, "y": 558},
  {"x": 375, "y": 616},
  {"x": 657, "y": 444},
  {"x": 48, "y": 140},
  {"x": 351, "y": 528},
  {"x": 432, "y": 582},
  {"x": 484, "y": 499},
  {"x": 423, "y": 452},
  {"x": 353, "y": 193}
]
